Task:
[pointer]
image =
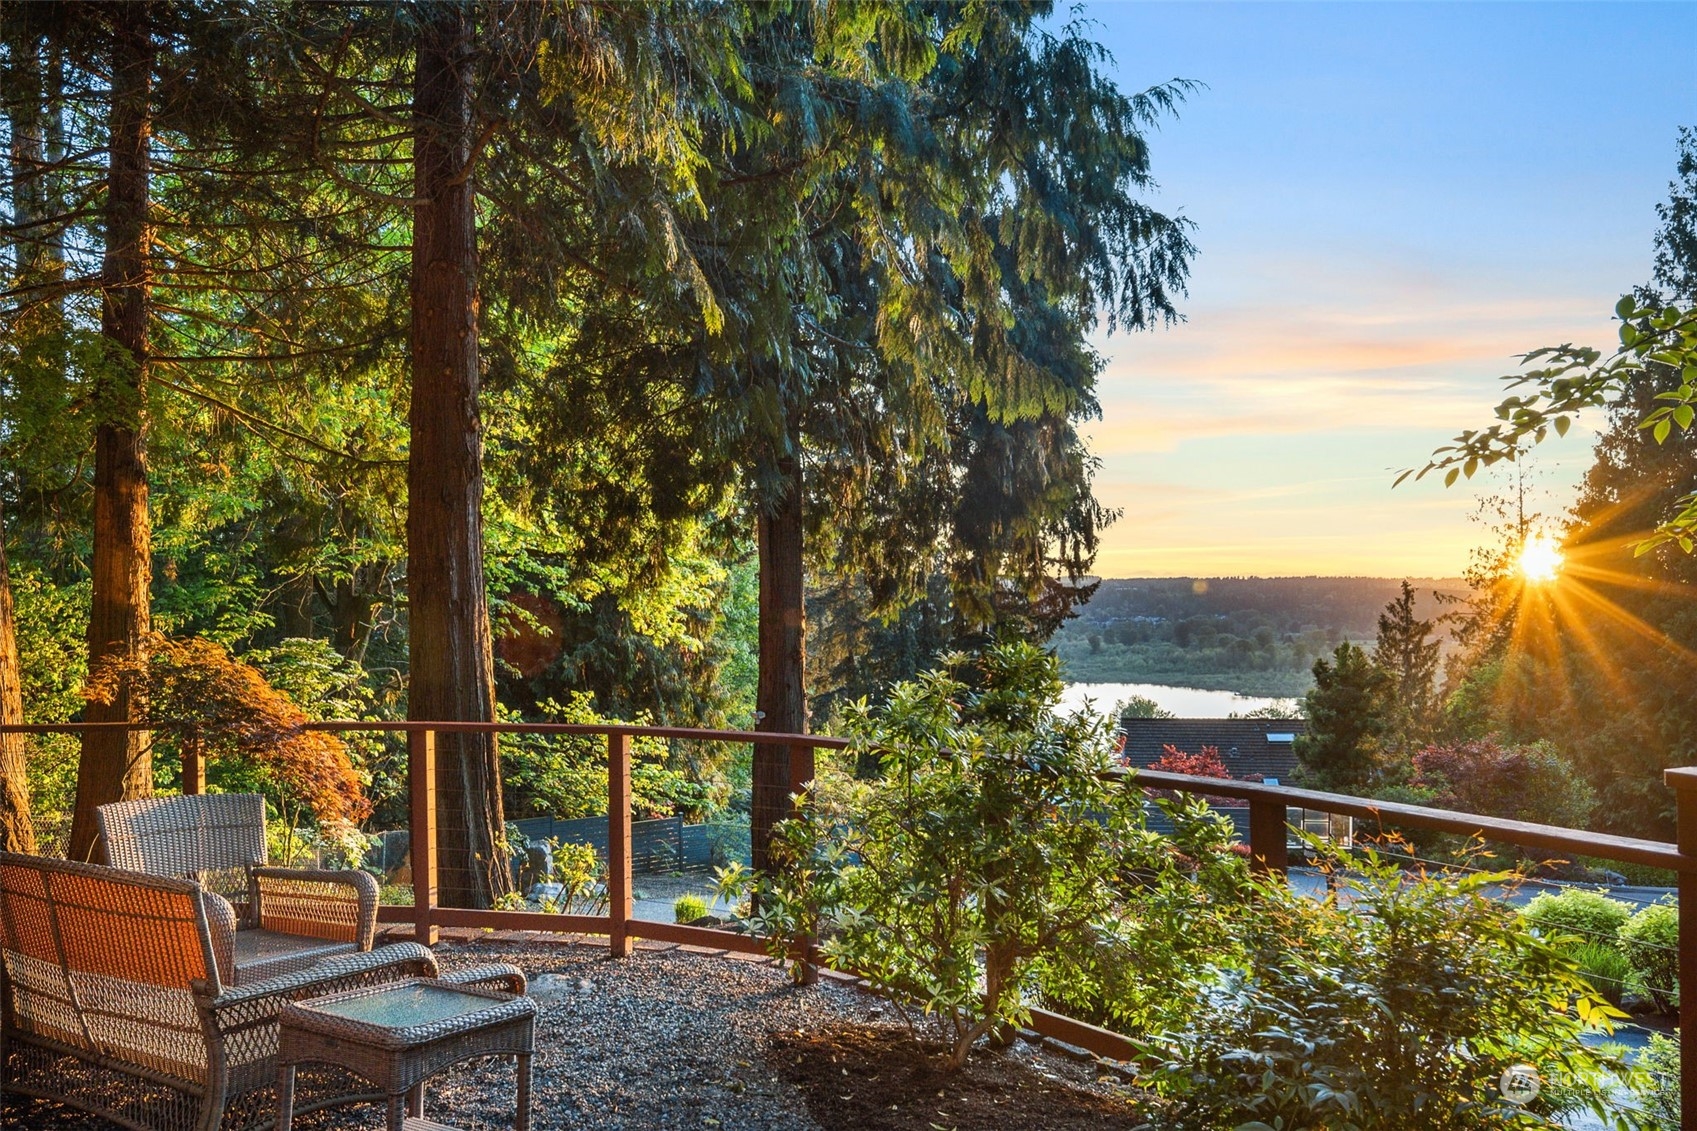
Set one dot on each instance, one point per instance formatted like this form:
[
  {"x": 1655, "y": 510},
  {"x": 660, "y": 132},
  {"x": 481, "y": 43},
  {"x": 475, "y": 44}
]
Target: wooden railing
[
  {"x": 619, "y": 923},
  {"x": 1268, "y": 847}
]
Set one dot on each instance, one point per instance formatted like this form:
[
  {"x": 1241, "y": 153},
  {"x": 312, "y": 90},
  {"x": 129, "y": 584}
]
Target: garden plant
[
  {"x": 1397, "y": 1001},
  {"x": 1651, "y": 942},
  {"x": 991, "y": 859}
]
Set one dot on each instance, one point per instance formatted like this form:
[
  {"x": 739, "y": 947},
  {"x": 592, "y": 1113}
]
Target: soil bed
[{"x": 880, "y": 1079}]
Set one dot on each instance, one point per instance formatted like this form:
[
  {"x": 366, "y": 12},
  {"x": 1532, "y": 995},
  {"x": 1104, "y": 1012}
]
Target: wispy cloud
[
  {"x": 1384, "y": 356},
  {"x": 1263, "y": 436}
]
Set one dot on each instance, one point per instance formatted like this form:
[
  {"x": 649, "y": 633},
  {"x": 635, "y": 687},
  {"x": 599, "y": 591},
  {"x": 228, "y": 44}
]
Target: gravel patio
[{"x": 673, "y": 1037}]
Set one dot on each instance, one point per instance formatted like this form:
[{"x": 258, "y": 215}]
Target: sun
[{"x": 1540, "y": 560}]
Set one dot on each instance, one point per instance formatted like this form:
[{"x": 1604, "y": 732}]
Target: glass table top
[{"x": 406, "y": 1006}]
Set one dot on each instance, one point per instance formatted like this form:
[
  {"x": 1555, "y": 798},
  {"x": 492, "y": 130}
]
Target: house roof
[{"x": 1246, "y": 746}]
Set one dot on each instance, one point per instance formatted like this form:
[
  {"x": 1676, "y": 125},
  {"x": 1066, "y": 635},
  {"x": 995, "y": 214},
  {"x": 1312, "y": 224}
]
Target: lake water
[{"x": 1185, "y": 702}]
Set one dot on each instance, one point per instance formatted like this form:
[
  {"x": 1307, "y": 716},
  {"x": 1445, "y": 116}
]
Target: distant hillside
[{"x": 1257, "y": 635}]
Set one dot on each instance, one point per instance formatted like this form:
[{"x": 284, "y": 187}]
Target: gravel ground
[{"x": 664, "y": 1039}]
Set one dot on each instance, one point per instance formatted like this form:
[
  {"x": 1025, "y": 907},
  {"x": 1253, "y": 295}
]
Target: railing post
[
  {"x": 421, "y": 788},
  {"x": 1267, "y": 851},
  {"x": 619, "y": 905},
  {"x": 1683, "y": 782}
]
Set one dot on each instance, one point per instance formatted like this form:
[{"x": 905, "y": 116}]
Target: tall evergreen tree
[
  {"x": 450, "y": 656},
  {"x": 936, "y": 251},
  {"x": 118, "y": 764},
  {"x": 1408, "y": 652},
  {"x": 26, "y": 70},
  {"x": 17, "y": 832},
  {"x": 1345, "y": 710},
  {"x": 1612, "y": 689}
]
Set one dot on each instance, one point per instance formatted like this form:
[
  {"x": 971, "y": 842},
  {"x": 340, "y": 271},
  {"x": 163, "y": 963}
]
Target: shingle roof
[{"x": 1246, "y": 746}]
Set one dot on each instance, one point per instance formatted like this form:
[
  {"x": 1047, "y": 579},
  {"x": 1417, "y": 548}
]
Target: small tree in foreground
[{"x": 990, "y": 843}]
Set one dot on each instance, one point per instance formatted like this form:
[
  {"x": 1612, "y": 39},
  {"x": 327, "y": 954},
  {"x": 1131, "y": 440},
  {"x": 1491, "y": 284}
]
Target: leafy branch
[{"x": 1572, "y": 379}]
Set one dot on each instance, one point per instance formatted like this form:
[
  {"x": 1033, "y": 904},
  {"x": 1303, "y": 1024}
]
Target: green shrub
[
  {"x": 1659, "y": 1089},
  {"x": 1124, "y": 979},
  {"x": 582, "y": 879},
  {"x": 688, "y": 908},
  {"x": 1651, "y": 942},
  {"x": 1605, "y": 968},
  {"x": 989, "y": 845},
  {"x": 565, "y": 775},
  {"x": 1587, "y": 914},
  {"x": 1394, "y": 1006}
]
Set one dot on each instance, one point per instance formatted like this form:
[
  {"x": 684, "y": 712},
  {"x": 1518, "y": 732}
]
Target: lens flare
[{"x": 1540, "y": 560}]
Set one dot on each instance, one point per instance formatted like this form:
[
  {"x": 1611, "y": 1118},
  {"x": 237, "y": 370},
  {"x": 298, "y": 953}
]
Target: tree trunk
[
  {"x": 29, "y": 114},
  {"x": 448, "y": 645},
  {"x": 353, "y": 601},
  {"x": 781, "y": 697},
  {"x": 116, "y": 766},
  {"x": 17, "y": 834}
]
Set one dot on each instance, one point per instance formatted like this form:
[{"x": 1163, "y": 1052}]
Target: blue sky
[{"x": 1391, "y": 201}]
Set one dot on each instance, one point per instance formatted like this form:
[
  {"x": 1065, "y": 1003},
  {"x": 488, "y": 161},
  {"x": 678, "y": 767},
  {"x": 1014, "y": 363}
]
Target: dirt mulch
[{"x": 876, "y": 1078}]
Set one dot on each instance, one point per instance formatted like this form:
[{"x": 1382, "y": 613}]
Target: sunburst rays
[{"x": 1558, "y": 608}]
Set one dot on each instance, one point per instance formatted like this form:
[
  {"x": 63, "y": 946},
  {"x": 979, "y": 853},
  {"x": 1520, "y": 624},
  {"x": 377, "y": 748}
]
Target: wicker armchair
[
  {"x": 294, "y": 917},
  {"x": 113, "y": 1000}
]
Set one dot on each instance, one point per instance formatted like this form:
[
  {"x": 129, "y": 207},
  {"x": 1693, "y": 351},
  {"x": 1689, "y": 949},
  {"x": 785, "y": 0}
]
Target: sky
[{"x": 1390, "y": 202}]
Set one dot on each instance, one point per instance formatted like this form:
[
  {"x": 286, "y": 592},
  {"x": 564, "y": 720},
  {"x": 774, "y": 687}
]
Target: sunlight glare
[{"x": 1540, "y": 560}]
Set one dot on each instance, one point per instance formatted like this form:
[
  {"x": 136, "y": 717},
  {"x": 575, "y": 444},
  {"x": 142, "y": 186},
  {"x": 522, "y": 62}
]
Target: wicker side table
[{"x": 399, "y": 1035}]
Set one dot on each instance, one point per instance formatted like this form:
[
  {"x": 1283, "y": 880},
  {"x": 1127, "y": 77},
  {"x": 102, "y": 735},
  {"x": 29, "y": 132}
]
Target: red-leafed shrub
[
  {"x": 238, "y": 716},
  {"x": 1525, "y": 783},
  {"x": 1206, "y": 764}
]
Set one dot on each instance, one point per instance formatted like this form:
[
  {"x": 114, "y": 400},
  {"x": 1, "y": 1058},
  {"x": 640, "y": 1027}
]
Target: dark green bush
[
  {"x": 1591, "y": 916},
  {"x": 1392, "y": 1006},
  {"x": 1651, "y": 942}
]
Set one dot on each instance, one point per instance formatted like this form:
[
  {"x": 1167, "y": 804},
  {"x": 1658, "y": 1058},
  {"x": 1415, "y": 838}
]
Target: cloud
[
  {"x": 1396, "y": 350},
  {"x": 1263, "y": 435}
]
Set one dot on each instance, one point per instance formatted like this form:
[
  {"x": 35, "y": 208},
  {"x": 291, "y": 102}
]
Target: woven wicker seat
[
  {"x": 111, "y": 1000},
  {"x": 294, "y": 917}
]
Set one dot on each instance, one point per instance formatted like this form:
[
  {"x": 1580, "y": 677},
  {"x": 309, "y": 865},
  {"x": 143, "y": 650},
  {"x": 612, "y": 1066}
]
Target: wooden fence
[{"x": 1268, "y": 847}]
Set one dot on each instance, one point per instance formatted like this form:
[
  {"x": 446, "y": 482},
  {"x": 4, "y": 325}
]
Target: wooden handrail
[
  {"x": 340, "y": 726},
  {"x": 1526, "y": 834}
]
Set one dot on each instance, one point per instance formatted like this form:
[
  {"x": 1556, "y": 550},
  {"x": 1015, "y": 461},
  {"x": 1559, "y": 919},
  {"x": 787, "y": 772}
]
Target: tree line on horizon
[
  {"x": 448, "y": 358},
  {"x": 1248, "y": 634}
]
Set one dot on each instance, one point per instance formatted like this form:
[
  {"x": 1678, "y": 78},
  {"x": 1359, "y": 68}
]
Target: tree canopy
[{"x": 752, "y": 305}]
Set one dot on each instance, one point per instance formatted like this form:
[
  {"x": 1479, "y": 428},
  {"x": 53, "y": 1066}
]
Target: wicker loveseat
[
  {"x": 293, "y": 918},
  {"x": 113, "y": 999}
]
